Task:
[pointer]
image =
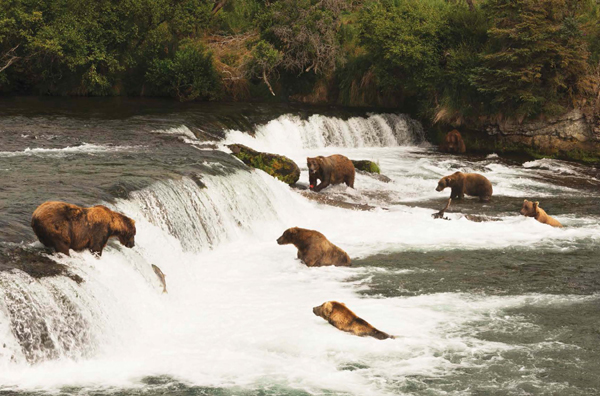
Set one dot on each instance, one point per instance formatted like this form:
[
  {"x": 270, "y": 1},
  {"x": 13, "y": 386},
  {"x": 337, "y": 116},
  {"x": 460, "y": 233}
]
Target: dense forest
[{"x": 448, "y": 60}]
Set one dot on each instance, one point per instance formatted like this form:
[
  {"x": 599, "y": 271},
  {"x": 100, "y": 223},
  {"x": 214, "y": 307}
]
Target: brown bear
[
  {"x": 342, "y": 318},
  {"x": 471, "y": 184},
  {"x": 313, "y": 248},
  {"x": 532, "y": 209},
  {"x": 64, "y": 226},
  {"x": 453, "y": 143},
  {"x": 334, "y": 169}
]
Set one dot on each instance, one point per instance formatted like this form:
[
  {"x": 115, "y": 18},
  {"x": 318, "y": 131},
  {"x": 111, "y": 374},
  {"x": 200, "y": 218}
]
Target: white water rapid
[{"x": 238, "y": 314}]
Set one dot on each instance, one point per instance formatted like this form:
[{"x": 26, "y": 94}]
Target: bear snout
[
  {"x": 280, "y": 240},
  {"x": 439, "y": 188},
  {"x": 316, "y": 311}
]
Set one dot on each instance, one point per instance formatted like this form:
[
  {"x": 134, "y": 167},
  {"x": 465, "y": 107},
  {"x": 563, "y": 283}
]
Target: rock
[
  {"x": 33, "y": 262},
  {"x": 376, "y": 176},
  {"x": 275, "y": 165},
  {"x": 366, "y": 166},
  {"x": 566, "y": 136}
]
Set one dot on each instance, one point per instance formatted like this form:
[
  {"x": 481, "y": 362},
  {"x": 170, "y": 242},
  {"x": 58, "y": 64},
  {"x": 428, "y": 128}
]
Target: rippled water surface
[{"x": 502, "y": 305}]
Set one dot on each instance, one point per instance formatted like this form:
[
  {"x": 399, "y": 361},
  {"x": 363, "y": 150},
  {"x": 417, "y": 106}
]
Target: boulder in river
[
  {"x": 366, "y": 166},
  {"x": 275, "y": 165}
]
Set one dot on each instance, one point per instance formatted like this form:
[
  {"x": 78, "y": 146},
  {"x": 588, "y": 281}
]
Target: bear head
[
  {"x": 529, "y": 209},
  {"x": 452, "y": 139},
  {"x": 314, "y": 164},
  {"x": 326, "y": 309},
  {"x": 443, "y": 183},
  {"x": 288, "y": 236},
  {"x": 127, "y": 231}
]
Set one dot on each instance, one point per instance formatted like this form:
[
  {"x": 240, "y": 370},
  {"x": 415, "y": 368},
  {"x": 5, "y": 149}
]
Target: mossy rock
[
  {"x": 275, "y": 165},
  {"x": 366, "y": 166}
]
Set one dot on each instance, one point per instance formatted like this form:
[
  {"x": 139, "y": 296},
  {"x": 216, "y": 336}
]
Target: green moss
[
  {"x": 366, "y": 166},
  {"x": 275, "y": 165}
]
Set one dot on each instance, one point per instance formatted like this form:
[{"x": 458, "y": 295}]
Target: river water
[{"x": 506, "y": 306}]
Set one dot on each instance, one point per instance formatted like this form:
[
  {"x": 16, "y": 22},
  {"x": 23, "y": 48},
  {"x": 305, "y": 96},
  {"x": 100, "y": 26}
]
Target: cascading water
[{"x": 238, "y": 316}]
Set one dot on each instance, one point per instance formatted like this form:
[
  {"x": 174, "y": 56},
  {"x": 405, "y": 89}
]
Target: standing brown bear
[
  {"x": 471, "y": 184},
  {"x": 453, "y": 143},
  {"x": 342, "y": 318},
  {"x": 313, "y": 248},
  {"x": 64, "y": 226},
  {"x": 334, "y": 169},
  {"x": 532, "y": 209}
]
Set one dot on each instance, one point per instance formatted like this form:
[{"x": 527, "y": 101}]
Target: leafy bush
[{"x": 190, "y": 74}]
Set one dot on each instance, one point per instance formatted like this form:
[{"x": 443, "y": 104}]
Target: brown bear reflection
[
  {"x": 313, "y": 248},
  {"x": 64, "y": 226},
  {"x": 471, "y": 184},
  {"x": 532, "y": 209},
  {"x": 453, "y": 143},
  {"x": 334, "y": 169},
  {"x": 338, "y": 315}
]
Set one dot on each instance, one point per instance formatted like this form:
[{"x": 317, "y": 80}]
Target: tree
[
  {"x": 535, "y": 59},
  {"x": 305, "y": 32}
]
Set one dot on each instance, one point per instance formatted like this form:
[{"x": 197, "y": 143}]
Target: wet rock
[
  {"x": 366, "y": 166},
  {"x": 376, "y": 176},
  {"x": 338, "y": 203},
  {"x": 571, "y": 135},
  {"x": 275, "y": 165},
  {"x": 33, "y": 262}
]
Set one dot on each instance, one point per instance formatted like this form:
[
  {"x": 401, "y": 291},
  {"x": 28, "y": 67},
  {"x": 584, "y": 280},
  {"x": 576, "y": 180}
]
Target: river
[{"x": 505, "y": 306}]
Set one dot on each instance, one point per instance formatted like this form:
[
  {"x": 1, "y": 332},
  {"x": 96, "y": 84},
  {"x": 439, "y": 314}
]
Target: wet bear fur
[
  {"x": 65, "y": 226},
  {"x": 313, "y": 248},
  {"x": 342, "y": 318},
  {"x": 453, "y": 143},
  {"x": 532, "y": 209},
  {"x": 331, "y": 170},
  {"x": 471, "y": 184}
]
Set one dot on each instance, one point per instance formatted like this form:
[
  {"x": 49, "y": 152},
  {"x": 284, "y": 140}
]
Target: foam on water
[
  {"x": 85, "y": 148},
  {"x": 238, "y": 312},
  {"x": 180, "y": 130},
  {"x": 239, "y": 309}
]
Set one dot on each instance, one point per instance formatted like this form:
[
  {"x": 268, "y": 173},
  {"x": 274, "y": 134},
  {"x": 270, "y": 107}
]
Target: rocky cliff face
[{"x": 571, "y": 133}]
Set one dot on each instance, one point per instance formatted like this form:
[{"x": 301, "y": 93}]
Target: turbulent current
[{"x": 506, "y": 306}]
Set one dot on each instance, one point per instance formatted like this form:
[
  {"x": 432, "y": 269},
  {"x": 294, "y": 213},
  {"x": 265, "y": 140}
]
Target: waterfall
[
  {"x": 290, "y": 133},
  {"x": 53, "y": 318}
]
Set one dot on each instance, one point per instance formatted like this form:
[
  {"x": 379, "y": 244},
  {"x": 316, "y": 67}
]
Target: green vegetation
[
  {"x": 366, "y": 166},
  {"x": 277, "y": 166},
  {"x": 453, "y": 61}
]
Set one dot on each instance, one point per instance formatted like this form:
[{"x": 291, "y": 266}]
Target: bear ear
[
  {"x": 536, "y": 204},
  {"x": 327, "y": 308},
  {"x": 524, "y": 201}
]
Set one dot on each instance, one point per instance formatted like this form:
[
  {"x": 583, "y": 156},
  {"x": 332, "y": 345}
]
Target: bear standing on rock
[
  {"x": 334, "y": 169},
  {"x": 342, "y": 318},
  {"x": 532, "y": 209},
  {"x": 453, "y": 143},
  {"x": 313, "y": 248},
  {"x": 64, "y": 226},
  {"x": 471, "y": 184}
]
